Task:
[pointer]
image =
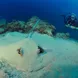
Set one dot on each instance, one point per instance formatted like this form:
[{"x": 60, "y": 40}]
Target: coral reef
[
  {"x": 42, "y": 27},
  {"x": 16, "y": 26},
  {"x": 26, "y": 27}
]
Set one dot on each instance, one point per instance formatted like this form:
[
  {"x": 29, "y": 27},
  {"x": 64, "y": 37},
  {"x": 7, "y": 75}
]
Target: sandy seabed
[{"x": 60, "y": 59}]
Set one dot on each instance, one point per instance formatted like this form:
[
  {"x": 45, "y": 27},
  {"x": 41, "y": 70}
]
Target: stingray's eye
[
  {"x": 40, "y": 50},
  {"x": 19, "y": 50}
]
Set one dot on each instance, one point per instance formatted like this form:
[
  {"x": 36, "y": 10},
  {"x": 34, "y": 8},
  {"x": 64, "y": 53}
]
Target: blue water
[{"x": 48, "y": 10}]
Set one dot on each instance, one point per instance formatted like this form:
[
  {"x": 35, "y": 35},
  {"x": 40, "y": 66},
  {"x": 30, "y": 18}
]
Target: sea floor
[{"x": 59, "y": 59}]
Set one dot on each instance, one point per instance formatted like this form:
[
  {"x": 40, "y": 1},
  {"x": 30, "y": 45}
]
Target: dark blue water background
[{"x": 48, "y": 10}]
